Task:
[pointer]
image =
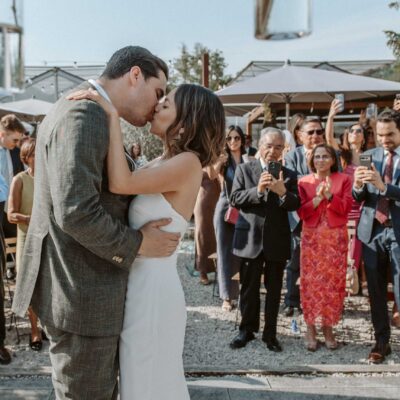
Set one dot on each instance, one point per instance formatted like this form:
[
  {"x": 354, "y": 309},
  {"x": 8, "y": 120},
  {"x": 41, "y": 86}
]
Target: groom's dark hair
[{"x": 124, "y": 59}]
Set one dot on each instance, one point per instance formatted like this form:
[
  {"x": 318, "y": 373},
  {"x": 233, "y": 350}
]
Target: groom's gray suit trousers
[{"x": 84, "y": 367}]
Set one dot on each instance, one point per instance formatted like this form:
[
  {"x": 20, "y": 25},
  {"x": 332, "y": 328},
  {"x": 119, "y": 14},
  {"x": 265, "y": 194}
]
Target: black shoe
[
  {"x": 35, "y": 345},
  {"x": 5, "y": 357},
  {"x": 241, "y": 339},
  {"x": 273, "y": 344},
  {"x": 288, "y": 311}
]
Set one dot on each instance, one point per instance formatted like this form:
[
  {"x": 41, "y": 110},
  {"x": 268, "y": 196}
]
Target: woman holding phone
[{"x": 355, "y": 141}]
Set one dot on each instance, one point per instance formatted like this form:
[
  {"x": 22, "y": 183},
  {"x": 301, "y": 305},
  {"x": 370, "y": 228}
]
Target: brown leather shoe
[
  {"x": 204, "y": 279},
  {"x": 378, "y": 353},
  {"x": 5, "y": 357}
]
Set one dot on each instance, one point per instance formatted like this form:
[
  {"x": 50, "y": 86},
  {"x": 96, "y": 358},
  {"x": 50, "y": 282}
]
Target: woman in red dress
[{"x": 325, "y": 204}]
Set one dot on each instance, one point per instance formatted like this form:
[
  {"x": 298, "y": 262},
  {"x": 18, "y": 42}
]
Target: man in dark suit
[
  {"x": 262, "y": 235},
  {"x": 312, "y": 134},
  {"x": 379, "y": 226}
]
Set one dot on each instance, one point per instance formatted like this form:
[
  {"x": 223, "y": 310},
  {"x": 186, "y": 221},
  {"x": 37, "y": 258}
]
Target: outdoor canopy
[
  {"x": 30, "y": 109},
  {"x": 290, "y": 84}
]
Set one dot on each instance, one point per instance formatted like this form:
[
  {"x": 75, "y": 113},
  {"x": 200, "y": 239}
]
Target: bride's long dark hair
[{"x": 200, "y": 119}]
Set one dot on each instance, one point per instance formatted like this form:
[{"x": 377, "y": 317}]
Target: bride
[{"x": 191, "y": 122}]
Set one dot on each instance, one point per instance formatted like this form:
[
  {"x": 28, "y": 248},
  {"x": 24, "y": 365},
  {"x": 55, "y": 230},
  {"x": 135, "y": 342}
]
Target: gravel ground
[{"x": 209, "y": 331}]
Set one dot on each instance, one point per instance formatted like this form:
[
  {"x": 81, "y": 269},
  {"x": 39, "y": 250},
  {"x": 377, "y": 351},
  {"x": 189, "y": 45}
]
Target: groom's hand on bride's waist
[{"x": 158, "y": 243}]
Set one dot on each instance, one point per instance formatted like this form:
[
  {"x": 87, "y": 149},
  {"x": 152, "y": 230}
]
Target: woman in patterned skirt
[{"x": 325, "y": 203}]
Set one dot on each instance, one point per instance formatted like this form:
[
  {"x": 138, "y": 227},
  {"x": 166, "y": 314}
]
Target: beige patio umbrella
[{"x": 290, "y": 84}]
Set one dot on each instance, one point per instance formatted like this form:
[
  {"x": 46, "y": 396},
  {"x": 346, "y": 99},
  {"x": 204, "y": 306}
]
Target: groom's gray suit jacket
[{"x": 79, "y": 248}]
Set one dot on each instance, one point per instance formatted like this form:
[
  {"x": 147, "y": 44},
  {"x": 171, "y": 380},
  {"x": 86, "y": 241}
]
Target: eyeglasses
[
  {"x": 355, "y": 130},
  {"x": 234, "y": 138},
  {"x": 325, "y": 157},
  {"x": 318, "y": 132}
]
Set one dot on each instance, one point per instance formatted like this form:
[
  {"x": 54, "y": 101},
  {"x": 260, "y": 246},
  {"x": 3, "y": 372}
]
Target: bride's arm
[{"x": 168, "y": 177}]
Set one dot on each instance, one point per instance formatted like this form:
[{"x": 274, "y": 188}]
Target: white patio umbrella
[
  {"x": 32, "y": 107},
  {"x": 290, "y": 84}
]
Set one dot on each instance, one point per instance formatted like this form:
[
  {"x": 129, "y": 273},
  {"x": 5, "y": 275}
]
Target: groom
[{"x": 79, "y": 248}]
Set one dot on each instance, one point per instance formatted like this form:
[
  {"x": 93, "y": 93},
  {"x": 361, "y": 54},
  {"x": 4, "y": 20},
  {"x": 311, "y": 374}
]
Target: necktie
[{"x": 382, "y": 208}]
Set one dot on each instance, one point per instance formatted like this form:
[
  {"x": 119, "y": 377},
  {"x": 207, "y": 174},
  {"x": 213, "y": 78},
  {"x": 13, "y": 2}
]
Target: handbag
[
  {"x": 352, "y": 282},
  {"x": 232, "y": 214}
]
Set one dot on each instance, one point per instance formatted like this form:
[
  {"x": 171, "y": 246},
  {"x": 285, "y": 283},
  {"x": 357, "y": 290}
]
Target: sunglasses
[
  {"x": 355, "y": 130},
  {"x": 318, "y": 132},
  {"x": 234, "y": 138}
]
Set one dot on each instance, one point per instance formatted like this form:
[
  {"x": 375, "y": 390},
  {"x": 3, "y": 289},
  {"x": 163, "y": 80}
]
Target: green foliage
[
  {"x": 394, "y": 37},
  {"x": 390, "y": 72},
  {"x": 152, "y": 146},
  {"x": 187, "y": 68}
]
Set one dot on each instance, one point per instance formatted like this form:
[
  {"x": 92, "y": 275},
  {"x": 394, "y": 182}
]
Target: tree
[
  {"x": 394, "y": 37},
  {"x": 187, "y": 68}
]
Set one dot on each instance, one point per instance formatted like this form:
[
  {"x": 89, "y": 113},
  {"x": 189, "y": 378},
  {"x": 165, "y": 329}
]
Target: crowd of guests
[
  {"x": 294, "y": 200},
  {"x": 284, "y": 205}
]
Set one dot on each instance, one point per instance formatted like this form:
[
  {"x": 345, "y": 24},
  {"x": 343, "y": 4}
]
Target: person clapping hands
[{"x": 323, "y": 191}]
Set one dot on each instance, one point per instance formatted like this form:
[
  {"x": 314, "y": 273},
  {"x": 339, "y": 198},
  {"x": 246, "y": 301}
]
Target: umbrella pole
[{"x": 287, "y": 112}]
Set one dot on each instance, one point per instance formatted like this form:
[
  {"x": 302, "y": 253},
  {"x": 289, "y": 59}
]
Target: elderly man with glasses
[{"x": 265, "y": 192}]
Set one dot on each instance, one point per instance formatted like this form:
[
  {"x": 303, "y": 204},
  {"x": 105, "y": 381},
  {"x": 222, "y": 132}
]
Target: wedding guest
[
  {"x": 379, "y": 227},
  {"x": 11, "y": 132},
  {"x": 295, "y": 123},
  {"x": 19, "y": 212},
  {"x": 396, "y": 104},
  {"x": 262, "y": 235},
  {"x": 204, "y": 234},
  {"x": 369, "y": 125},
  {"x": 227, "y": 263},
  {"x": 136, "y": 154},
  {"x": 326, "y": 200},
  {"x": 354, "y": 143},
  {"x": 250, "y": 150},
  {"x": 311, "y": 134},
  {"x": 5, "y": 357}
]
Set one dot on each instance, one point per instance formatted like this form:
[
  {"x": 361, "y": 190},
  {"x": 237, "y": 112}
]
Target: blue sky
[{"x": 88, "y": 31}]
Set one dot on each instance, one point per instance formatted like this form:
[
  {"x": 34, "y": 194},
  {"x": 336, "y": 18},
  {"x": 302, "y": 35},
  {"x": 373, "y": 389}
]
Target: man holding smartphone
[
  {"x": 379, "y": 227},
  {"x": 264, "y": 191}
]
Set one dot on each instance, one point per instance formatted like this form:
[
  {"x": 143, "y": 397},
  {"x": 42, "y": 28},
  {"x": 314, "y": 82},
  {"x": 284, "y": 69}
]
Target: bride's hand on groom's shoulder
[
  {"x": 94, "y": 95},
  {"x": 158, "y": 243}
]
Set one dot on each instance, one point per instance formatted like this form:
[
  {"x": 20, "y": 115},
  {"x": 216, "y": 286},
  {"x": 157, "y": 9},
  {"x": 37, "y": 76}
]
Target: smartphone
[
  {"x": 274, "y": 168},
  {"x": 371, "y": 111},
  {"x": 340, "y": 97},
  {"x": 366, "y": 160}
]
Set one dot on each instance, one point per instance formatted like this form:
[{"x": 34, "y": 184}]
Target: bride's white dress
[{"x": 151, "y": 342}]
